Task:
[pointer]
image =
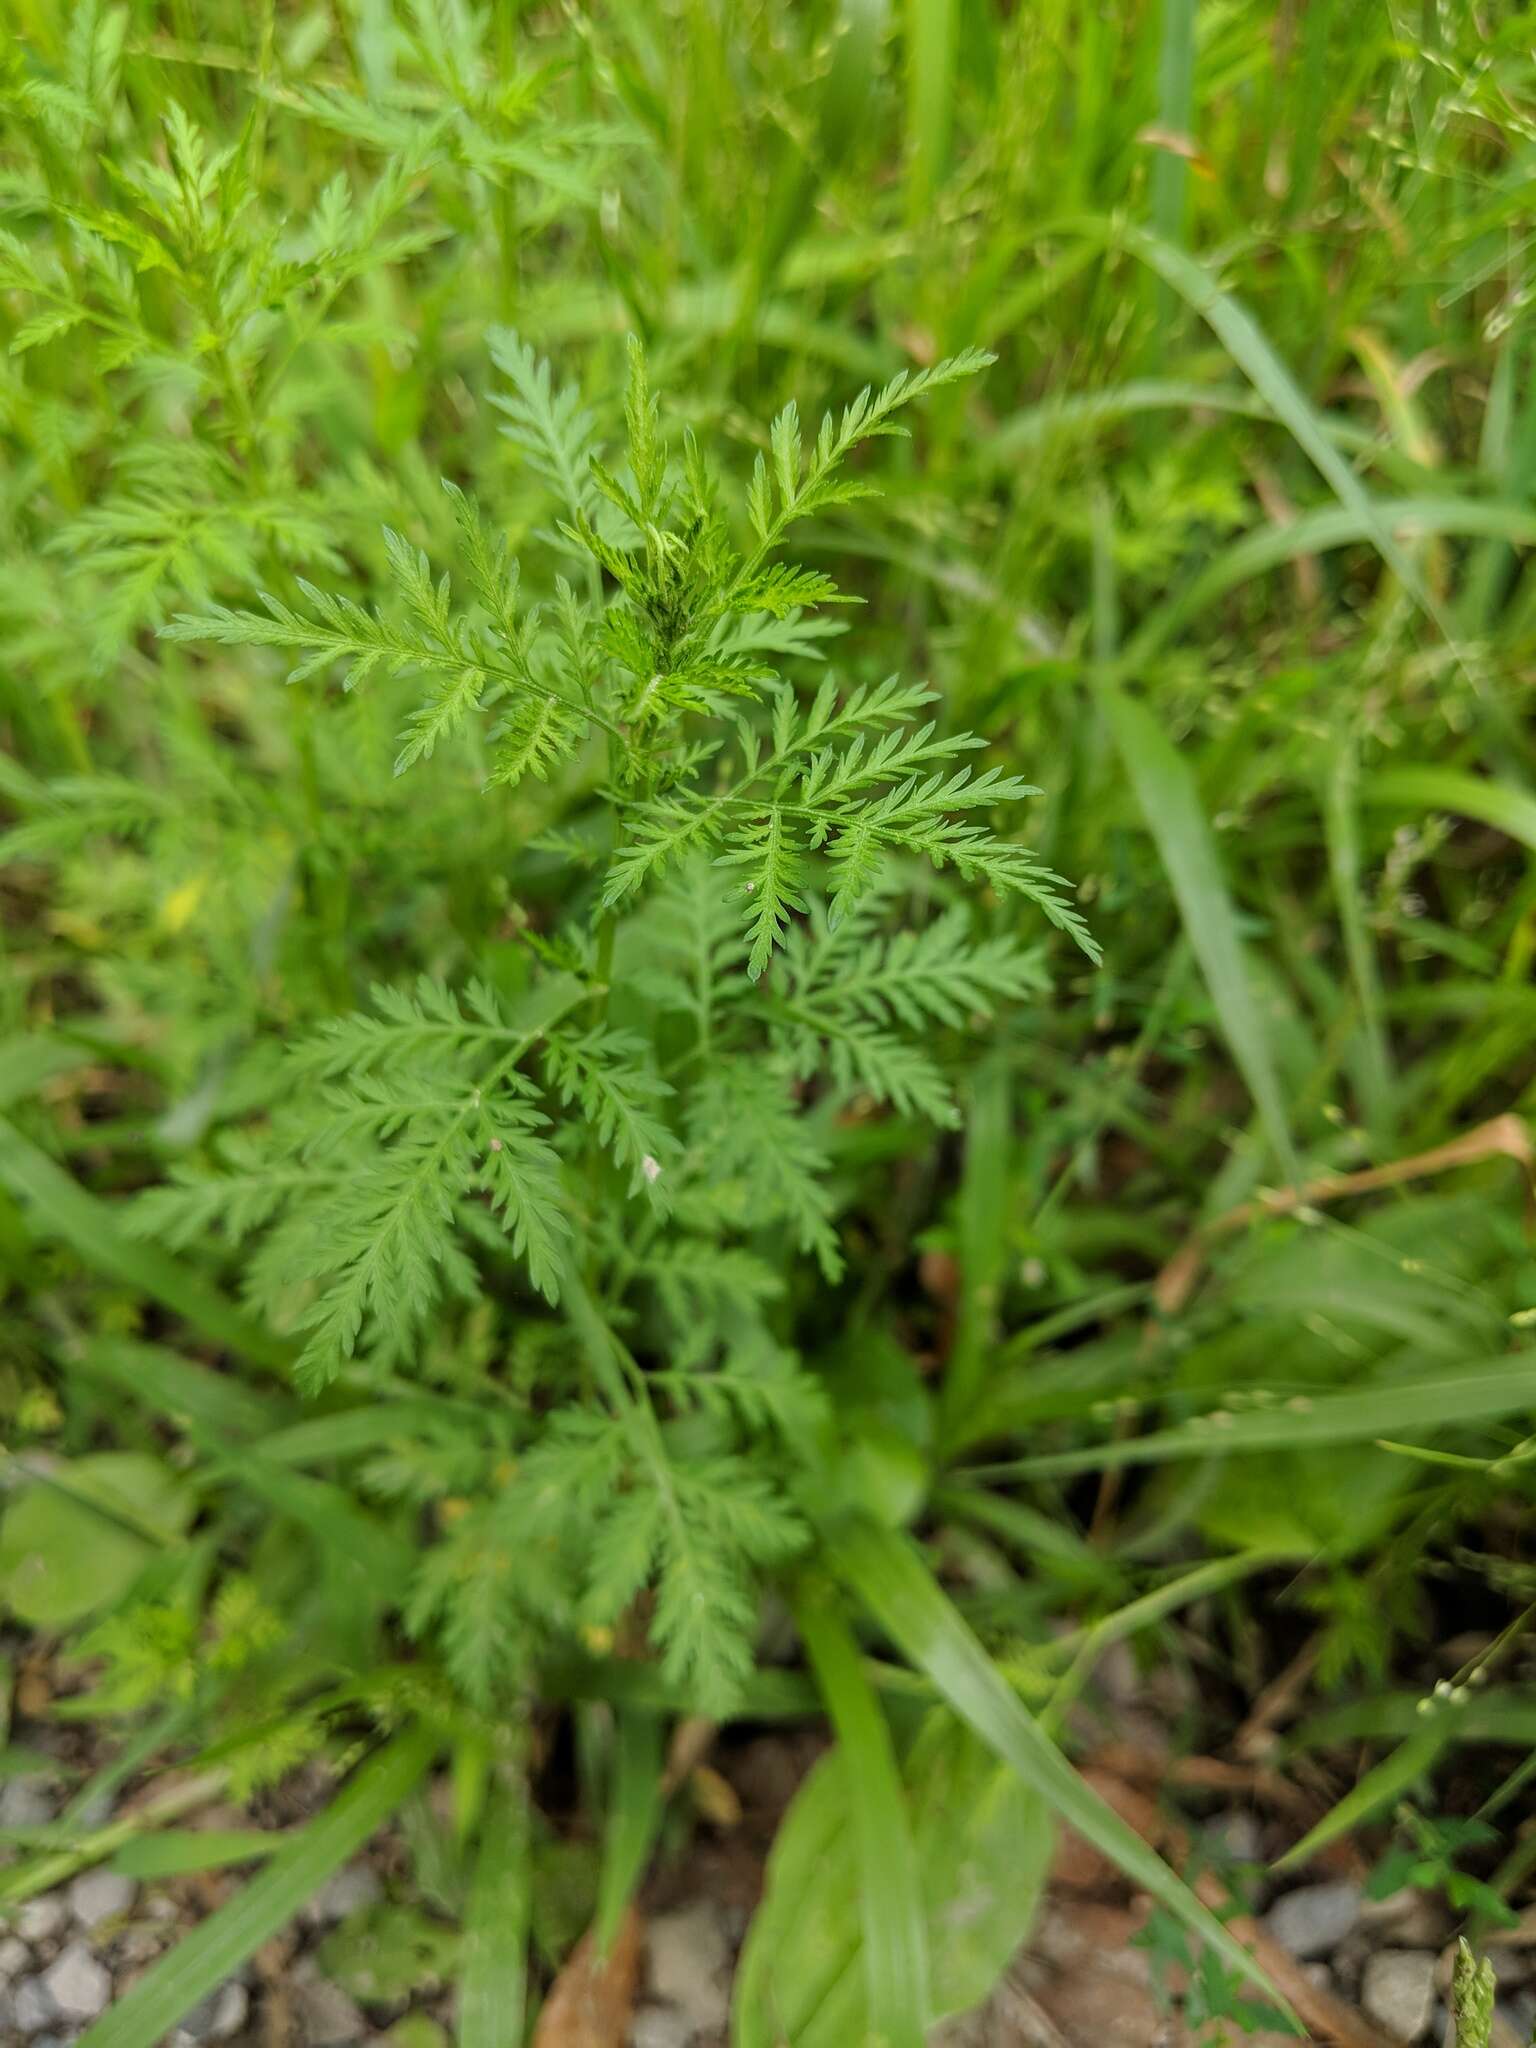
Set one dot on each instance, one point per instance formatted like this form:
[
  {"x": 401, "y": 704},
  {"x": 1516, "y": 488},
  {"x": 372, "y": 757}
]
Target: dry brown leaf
[
  {"x": 592, "y": 2001},
  {"x": 714, "y": 1796}
]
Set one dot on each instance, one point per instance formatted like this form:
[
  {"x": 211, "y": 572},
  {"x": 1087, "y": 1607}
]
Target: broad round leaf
[
  {"x": 69, "y": 1548},
  {"x": 982, "y": 1840}
]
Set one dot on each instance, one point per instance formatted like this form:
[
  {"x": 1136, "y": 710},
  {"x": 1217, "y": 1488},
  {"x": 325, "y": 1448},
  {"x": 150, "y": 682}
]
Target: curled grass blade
[
  {"x": 1314, "y": 533},
  {"x": 1251, "y": 349},
  {"x": 1499, "y": 804},
  {"x": 885, "y": 1571}
]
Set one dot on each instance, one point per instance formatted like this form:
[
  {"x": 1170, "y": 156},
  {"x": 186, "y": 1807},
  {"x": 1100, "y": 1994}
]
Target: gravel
[
  {"x": 100, "y": 1895},
  {"x": 327, "y": 2017},
  {"x": 24, "y": 1804},
  {"x": 347, "y": 1892},
  {"x": 687, "y": 1955},
  {"x": 1314, "y": 1919},
  {"x": 1398, "y": 1989},
  {"x": 41, "y": 1919},
  {"x": 78, "y": 1984},
  {"x": 31, "y": 2007},
  {"x": 14, "y": 1958},
  {"x": 214, "y": 2018},
  {"x": 1236, "y": 1835},
  {"x": 661, "y": 2026}
]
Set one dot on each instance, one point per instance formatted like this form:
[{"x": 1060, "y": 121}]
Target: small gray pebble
[
  {"x": 1409, "y": 1918},
  {"x": 348, "y": 1891},
  {"x": 686, "y": 1956},
  {"x": 24, "y": 1804},
  {"x": 215, "y": 2017},
  {"x": 31, "y": 2007},
  {"x": 660, "y": 2026},
  {"x": 1313, "y": 1920},
  {"x": 78, "y": 1984},
  {"x": 1398, "y": 1989},
  {"x": 229, "y": 2017},
  {"x": 1235, "y": 1834},
  {"x": 98, "y": 1895},
  {"x": 327, "y": 2017},
  {"x": 14, "y": 1958},
  {"x": 42, "y": 1918}
]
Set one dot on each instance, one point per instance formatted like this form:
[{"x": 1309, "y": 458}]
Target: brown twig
[
  {"x": 1502, "y": 1136},
  {"x": 1277, "y": 1702}
]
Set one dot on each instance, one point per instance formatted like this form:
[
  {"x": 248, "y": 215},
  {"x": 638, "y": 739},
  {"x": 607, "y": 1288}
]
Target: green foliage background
[{"x": 1225, "y": 555}]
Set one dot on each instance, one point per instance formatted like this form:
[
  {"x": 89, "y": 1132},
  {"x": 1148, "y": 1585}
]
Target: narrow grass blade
[
  {"x": 1477, "y": 1394},
  {"x": 1388, "y": 1781},
  {"x": 890, "y": 1896},
  {"x": 493, "y": 1986},
  {"x": 983, "y": 1231},
  {"x": 889, "y": 1576},
  {"x": 1341, "y": 791},
  {"x": 373, "y": 1557},
  {"x": 1314, "y": 533},
  {"x": 216, "y": 1948},
  {"x": 1508, "y": 810},
  {"x": 932, "y": 35},
  {"x": 635, "y": 1806},
  {"x": 28, "y": 1061},
  {"x": 1312, "y": 100},
  {"x": 59, "y": 1208},
  {"x": 1170, "y": 803},
  {"x": 845, "y": 100},
  {"x": 179, "y": 1852},
  {"x": 1505, "y": 1715},
  {"x": 1082, "y": 412},
  {"x": 1250, "y": 348},
  {"x": 765, "y": 1696},
  {"x": 1175, "y": 113},
  {"x": 178, "y": 1388},
  {"x": 322, "y": 1437}
]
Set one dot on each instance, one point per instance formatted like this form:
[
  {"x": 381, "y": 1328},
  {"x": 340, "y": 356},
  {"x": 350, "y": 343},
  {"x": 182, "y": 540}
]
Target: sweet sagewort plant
[
  {"x": 627, "y": 1129},
  {"x": 552, "y": 1244}
]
